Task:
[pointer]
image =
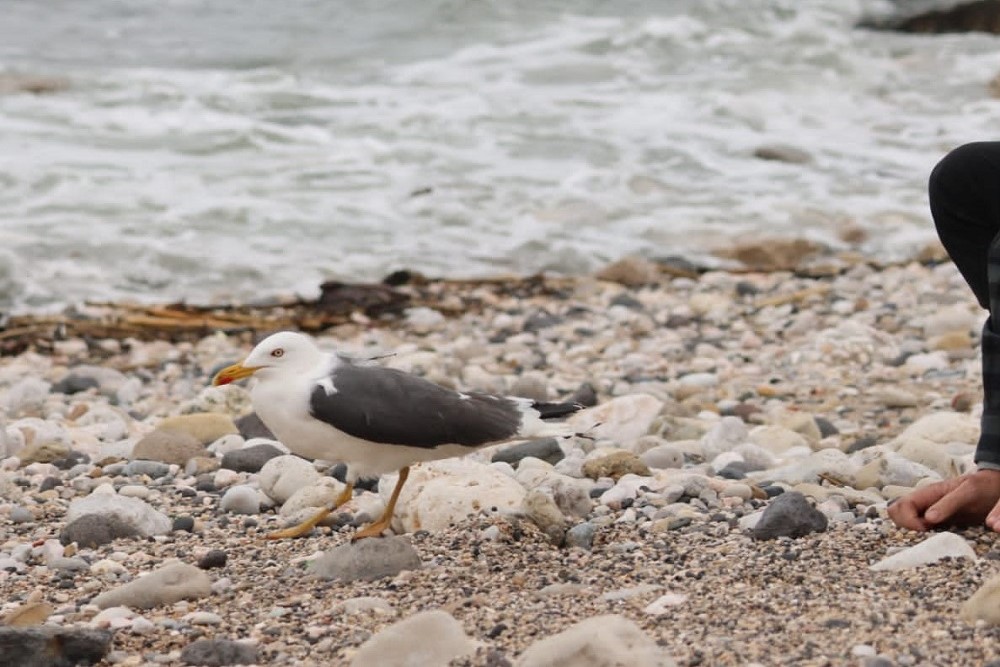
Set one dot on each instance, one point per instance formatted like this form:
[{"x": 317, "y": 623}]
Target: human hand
[{"x": 961, "y": 501}]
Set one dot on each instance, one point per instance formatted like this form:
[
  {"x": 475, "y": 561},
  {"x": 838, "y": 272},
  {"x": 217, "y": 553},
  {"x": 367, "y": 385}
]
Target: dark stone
[
  {"x": 250, "y": 459},
  {"x": 218, "y": 652},
  {"x": 581, "y": 536},
  {"x": 74, "y": 384},
  {"x": 546, "y": 449},
  {"x": 826, "y": 427},
  {"x": 627, "y": 300},
  {"x": 71, "y": 459},
  {"x": 679, "y": 522},
  {"x": 214, "y": 558},
  {"x": 734, "y": 470},
  {"x": 541, "y": 320},
  {"x": 745, "y": 288},
  {"x": 339, "y": 473},
  {"x": 772, "y": 491},
  {"x": 183, "y": 523},
  {"x": 861, "y": 443},
  {"x": 584, "y": 395},
  {"x": 93, "y": 530},
  {"x": 50, "y": 483},
  {"x": 598, "y": 491},
  {"x": 51, "y": 646},
  {"x": 789, "y": 515},
  {"x": 251, "y": 426},
  {"x": 205, "y": 483}
]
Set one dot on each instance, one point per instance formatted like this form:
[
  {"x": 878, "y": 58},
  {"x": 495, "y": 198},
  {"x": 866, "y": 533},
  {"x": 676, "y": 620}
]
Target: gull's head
[{"x": 282, "y": 353}]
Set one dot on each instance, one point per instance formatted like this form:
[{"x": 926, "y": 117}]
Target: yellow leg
[
  {"x": 306, "y": 526},
  {"x": 376, "y": 529}
]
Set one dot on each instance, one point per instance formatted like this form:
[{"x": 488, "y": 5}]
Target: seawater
[{"x": 224, "y": 150}]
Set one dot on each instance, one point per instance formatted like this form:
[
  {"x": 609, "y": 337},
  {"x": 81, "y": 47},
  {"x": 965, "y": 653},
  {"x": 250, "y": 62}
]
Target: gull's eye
[{"x": 277, "y": 352}]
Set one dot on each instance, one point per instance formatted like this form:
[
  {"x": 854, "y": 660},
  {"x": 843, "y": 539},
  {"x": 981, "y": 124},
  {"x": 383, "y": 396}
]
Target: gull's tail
[{"x": 555, "y": 410}]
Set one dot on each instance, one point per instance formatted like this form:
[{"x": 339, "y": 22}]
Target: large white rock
[
  {"x": 440, "y": 493},
  {"x": 984, "y": 605},
  {"x": 943, "y": 427},
  {"x": 776, "y": 439},
  {"x": 601, "y": 641},
  {"x": 133, "y": 511},
  {"x": 724, "y": 436},
  {"x": 624, "y": 419},
  {"x": 323, "y": 493},
  {"x": 931, "y": 550},
  {"x": 427, "y": 639},
  {"x": 282, "y": 476}
]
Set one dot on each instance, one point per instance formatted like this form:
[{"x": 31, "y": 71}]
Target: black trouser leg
[{"x": 965, "y": 203}]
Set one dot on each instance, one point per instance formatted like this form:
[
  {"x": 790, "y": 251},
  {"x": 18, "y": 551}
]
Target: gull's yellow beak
[{"x": 233, "y": 373}]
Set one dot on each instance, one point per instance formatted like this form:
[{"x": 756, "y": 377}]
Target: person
[{"x": 964, "y": 190}]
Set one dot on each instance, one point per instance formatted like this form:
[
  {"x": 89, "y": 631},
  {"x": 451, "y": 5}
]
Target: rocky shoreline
[{"x": 729, "y": 508}]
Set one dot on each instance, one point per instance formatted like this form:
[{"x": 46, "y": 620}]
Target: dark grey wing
[{"x": 389, "y": 406}]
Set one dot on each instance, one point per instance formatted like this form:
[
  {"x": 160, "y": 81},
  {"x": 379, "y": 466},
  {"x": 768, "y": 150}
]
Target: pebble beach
[{"x": 725, "y": 505}]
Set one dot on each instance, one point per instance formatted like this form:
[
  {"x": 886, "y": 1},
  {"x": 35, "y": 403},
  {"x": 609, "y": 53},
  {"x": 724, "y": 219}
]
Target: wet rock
[{"x": 367, "y": 560}]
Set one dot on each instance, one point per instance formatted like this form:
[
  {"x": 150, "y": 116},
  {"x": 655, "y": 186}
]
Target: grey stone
[
  {"x": 21, "y": 515},
  {"x": 240, "y": 499},
  {"x": 171, "y": 583},
  {"x": 546, "y": 449},
  {"x": 74, "y": 384},
  {"x": 154, "y": 469},
  {"x": 367, "y": 560},
  {"x": 214, "y": 558},
  {"x": 133, "y": 511},
  {"x": 218, "y": 652},
  {"x": 581, "y": 535},
  {"x": 789, "y": 515},
  {"x": 250, "y": 459},
  {"x": 52, "y": 646},
  {"x": 94, "y": 530},
  {"x": 250, "y": 426}
]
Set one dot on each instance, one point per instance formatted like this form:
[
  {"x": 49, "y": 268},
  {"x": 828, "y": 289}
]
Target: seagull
[{"x": 373, "y": 418}]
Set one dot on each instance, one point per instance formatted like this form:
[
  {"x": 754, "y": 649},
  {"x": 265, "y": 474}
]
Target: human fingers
[
  {"x": 993, "y": 518},
  {"x": 905, "y": 513},
  {"x": 951, "y": 503}
]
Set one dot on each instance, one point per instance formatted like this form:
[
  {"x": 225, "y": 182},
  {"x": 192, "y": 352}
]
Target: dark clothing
[{"x": 965, "y": 203}]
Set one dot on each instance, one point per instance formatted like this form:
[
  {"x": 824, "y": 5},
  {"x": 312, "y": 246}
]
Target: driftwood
[{"x": 339, "y": 303}]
